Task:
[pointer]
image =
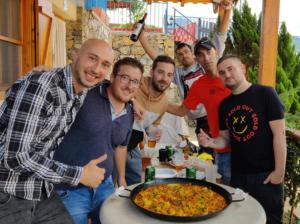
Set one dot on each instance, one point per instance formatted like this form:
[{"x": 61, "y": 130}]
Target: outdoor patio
[{"x": 46, "y": 32}]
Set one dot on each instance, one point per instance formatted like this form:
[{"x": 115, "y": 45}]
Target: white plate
[
  {"x": 165, "y": 173},
  {"x": 186, "y": 163}
]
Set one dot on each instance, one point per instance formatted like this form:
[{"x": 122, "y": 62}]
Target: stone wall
[
  {"x": 124, "y": 47},
  {"x": 88, "y": 25}
]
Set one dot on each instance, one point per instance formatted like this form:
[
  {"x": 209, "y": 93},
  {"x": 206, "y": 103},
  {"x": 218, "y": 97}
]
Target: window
[{"x": 10, "y": 42}]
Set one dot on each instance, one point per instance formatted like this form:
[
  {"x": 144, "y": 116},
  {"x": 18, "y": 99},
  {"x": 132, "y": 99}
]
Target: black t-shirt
[{"x": 247, "y": 117}]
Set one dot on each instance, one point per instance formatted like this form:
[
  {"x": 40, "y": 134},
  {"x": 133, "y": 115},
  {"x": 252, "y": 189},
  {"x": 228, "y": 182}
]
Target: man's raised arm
[
  {"x": 221, "y": 34},
  {"x": 152, "y": 53},
  {"x": 227, "y": 6}
]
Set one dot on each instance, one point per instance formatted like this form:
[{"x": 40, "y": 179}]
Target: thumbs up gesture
[{"x": 92, "y": 175}]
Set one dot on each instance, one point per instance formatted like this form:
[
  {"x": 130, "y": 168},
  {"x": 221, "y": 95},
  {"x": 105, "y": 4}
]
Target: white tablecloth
[{"x": 118, "y": 210}]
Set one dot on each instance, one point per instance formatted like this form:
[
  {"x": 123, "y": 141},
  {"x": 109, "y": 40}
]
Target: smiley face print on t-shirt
[{"x": 243, "y": 122}]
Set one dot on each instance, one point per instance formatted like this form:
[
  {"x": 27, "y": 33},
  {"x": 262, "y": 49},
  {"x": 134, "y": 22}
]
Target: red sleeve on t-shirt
[{"x": 194, "y": 96}]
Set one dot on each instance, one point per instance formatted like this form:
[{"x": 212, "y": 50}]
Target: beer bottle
[{"x": 138, "y": 29}]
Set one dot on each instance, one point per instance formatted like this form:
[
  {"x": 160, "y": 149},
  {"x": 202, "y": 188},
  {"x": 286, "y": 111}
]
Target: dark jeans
[
  {"x": 223, "y": 161},
  {"x": 51, "y": 210},
  {"x": 270, "y": 196},
  {"x": 133, "y": 173}
]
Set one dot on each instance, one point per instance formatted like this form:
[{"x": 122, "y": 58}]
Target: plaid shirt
[{"x": 37, "y": 112}]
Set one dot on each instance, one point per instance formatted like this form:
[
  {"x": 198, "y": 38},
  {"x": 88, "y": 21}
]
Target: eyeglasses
[{"x": 125, "y": 79}]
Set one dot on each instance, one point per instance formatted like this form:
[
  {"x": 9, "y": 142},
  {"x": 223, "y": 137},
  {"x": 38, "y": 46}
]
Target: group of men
[
  {"x": 202, "y": 103},
  {"x": 62, "y": 127},
  {"x": 245, "y": 121}
]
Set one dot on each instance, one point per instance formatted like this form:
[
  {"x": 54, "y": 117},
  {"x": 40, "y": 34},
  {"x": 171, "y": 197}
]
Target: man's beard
[
  {"x": 122, "y": 98},
  {"x": 157, "y": 88},
  {"x": 232, "y": 86},
  {"x": 187, "y": 63},
  {"x": 78, "y": 78}
]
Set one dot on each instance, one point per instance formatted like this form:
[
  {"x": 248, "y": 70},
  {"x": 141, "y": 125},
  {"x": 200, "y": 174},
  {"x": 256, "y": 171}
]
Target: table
[{"x": 116, "y": 210}]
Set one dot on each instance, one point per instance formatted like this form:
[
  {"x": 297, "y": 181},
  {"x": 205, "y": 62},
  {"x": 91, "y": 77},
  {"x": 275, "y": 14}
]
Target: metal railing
[
  {"x": 123, "y": 13},
  {"x": 203, "y": 26},
  {"x": 181, "y": 23}
]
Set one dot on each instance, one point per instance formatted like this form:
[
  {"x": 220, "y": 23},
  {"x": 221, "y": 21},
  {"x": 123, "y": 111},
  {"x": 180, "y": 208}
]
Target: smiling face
[
  {"x": 232, "y": 72},
  {"x": 91, "y": 64},
  {"x": 124, "y": 84},
  {"x": 162, "y": 76},
  {"x": 185, "y": 56}
]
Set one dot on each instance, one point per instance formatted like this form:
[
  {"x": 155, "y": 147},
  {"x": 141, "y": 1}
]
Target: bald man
[{"x": 37, "y": 112}]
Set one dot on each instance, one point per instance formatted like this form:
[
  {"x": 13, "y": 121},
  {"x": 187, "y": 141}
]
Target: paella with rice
[{"x": 180, "y": 199}]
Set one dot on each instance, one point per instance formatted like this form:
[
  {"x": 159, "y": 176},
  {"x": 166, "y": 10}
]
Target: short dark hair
[
  {"x": 232, "y": 56},
  {"x": 162, "y": 58},
  {"x": 182, "y": 45},
  {"x": 127, "y": 61},
  {"x": 229, "y": 56}
]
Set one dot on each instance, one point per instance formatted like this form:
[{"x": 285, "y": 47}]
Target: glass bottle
[{"x": 138, "y": 29}]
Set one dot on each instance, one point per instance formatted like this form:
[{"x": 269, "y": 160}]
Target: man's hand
[
  {"x": 158, "y": 134},
  {"x": 154, "y": 131},
  {"x": 139, "y": 111},
  {"x": 204, "y": 139},
  {"x": 226, "y": 4},
  {"x": 274, "y": 178},
  {"x": 92, "y": 175},
  {"x": 41, "y": 68}
]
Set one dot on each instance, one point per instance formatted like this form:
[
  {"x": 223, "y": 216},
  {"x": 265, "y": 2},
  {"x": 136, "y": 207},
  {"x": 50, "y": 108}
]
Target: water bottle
[
  {"x": 139, "y": 27},
  {"x": 211, "y": 171}
]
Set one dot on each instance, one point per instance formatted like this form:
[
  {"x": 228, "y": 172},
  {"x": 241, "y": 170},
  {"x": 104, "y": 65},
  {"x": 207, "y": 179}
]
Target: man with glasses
[
  {"x": 151, "y": 95},
  {"x": 102, "y": 126}
]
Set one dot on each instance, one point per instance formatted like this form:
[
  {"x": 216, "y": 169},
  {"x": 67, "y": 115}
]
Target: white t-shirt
[{"x": 171, "y": 126}]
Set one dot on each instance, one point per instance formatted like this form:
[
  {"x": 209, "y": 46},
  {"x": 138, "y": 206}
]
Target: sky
[{"x": 289, "y": 12}]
